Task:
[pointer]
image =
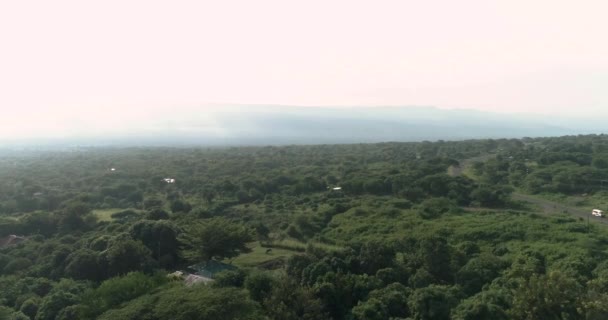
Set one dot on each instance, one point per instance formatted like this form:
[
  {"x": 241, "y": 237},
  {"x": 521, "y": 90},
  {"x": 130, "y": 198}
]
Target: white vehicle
[{"x": 597, "y": 213}]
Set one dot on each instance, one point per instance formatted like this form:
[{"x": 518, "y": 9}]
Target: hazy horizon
[
  {"x": 279, "y": 125},
  {"x": 83, "y": 70}
]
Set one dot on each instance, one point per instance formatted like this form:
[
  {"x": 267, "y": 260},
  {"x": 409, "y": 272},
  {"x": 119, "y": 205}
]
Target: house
[
  {"x": 11, "y": 240},
  {"x": 337, "y": 189},
  {"x": 169, "y": 180},
  {"x": 193, "y": 279},
  {"x": 176, "y": 275},
  {"x": 189, "y": 279}
]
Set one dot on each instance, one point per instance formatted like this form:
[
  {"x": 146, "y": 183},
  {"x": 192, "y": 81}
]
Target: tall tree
[{"x": 218, "y": 238}]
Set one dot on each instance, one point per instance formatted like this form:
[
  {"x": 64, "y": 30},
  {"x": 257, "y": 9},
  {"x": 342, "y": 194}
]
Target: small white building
[
  {"x": 336, "y": 188},
  {"x": 169, "y": 180}
]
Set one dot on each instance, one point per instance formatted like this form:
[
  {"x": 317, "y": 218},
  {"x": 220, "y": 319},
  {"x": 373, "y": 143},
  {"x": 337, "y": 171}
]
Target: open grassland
[
  {"x": 279, "y": 250},
  {"x": 261, "y": 255},
  {"x": 106, "y": 214}
]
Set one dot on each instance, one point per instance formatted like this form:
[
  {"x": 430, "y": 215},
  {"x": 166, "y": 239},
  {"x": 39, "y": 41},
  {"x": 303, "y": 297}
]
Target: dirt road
[
  {"x": 551, "y": 207},
  {"x": 545, "y": 206}
]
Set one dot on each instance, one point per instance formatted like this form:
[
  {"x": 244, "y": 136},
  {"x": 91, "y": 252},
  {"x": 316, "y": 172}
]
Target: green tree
[
  {"x": 383, "y": 303},
  {"x": 550, "y": 296},
  {"x": 30, "y": 307},
  {"x": 151, "y": 203},
  {"x": 180, "y": 206},
  {"x": 432, "y": 303},
  {"x": 17, "y": 265},
  {"x": 118, "y": 290},
  {"x": 209, "y": 195},
  {"x": 432, "y": 208},
  {"x": 161, "y": 237},
  {"x": 39, "y": 223},
  {"x": 491, "y": 196},
  {"x": 230, "y": 278},
  {"x": 290, "y": 301},
  {"x": 70, "y": 313},
  {"x": 5, "y": 313},
  {"x": 489, "y": 304},
  {"x": 477, "y": 272},
  {"x": 436, "y": 256},
  {"x": 595, "y": 304},
  {"x": 600, "y": 161},
  {"x": 372, "y": 309},
  {"x": 127, "y": 255},
  {"x": 340, "y": 292},
  {"x": 219, "y": 303},
  {"x": 76, "y": 216},
  {"x": 53, "y": 304},
  {"x": 259, "y": 285},
  {"x": 374, "y": 256},
  {"x": 218, "y": 239},
  {"x": 85, "y": 264},
  {"x": 157, "y": 214},
  {"x": 18, "y": 315}
]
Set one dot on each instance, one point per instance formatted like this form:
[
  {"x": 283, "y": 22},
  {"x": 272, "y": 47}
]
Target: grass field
[
  {"x": 286, "y": 248},
  {"x": 296, "y": 245},
  {"x": 258, "y": 256},
  {"x": 106, "y": 214}
]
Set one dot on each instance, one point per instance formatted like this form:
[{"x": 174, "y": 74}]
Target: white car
[{"x": 597, "y": 213}]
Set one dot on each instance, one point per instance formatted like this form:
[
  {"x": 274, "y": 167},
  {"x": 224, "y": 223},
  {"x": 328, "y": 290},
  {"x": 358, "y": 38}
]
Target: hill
[{"x": 281, "y": 125}]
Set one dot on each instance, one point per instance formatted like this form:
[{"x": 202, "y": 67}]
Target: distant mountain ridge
[
  {"x": 310, "y": 125},
  {"x": 276, "y": 125}
]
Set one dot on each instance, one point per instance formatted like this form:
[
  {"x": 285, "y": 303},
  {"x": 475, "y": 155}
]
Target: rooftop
[{"x": 210, "y": 268}]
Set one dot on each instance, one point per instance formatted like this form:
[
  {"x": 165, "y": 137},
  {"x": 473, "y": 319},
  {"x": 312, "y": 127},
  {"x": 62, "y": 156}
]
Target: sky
[{"x": 74, "y": 67}]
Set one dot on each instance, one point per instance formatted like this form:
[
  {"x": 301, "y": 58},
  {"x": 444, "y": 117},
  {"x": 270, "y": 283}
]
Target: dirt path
[
  {"x": 545, "y": 206},
  {"x": 551, "y": 207}
]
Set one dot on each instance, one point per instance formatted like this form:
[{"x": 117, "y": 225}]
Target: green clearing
[
  {"x": 106, "y": 214},
  {"x": 258, "y": 256},
  {"x": 295, "y": 245},
  {"x": 280, "y": 250}
]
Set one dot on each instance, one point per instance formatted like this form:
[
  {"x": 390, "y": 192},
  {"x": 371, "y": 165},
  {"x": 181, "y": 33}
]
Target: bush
[
  {"x": 157, "y": 214},
  {"x": 230, "y": 278},
  {"x": 434, "y": 207},
  {"x": 259, "y": 285},
  {"x": 17, "y": 265},
  {"x": 118, "y": 290},
  {"x": 30, "y": 307}
]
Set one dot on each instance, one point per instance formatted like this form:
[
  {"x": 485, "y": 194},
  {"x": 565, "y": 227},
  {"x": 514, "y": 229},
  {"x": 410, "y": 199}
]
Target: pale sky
[{"x": 73, "y": 66}]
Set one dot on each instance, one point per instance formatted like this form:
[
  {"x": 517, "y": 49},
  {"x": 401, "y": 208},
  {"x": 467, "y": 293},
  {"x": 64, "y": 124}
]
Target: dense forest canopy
[{"x": 477, "y": 229}]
